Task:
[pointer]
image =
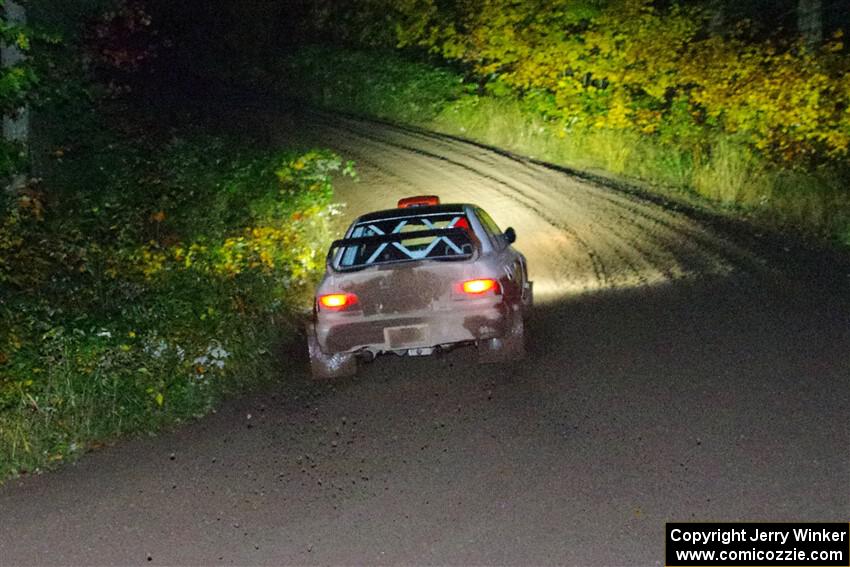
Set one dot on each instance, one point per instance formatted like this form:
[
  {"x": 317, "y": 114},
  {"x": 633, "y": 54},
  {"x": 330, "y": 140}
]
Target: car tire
[
  {"x": 328, "y": 366},
  {"x": 510, "y": 348}
]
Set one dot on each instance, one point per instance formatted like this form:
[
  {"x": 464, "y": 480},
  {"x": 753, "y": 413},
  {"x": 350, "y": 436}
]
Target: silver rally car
[{"x": 417, "y": 279}]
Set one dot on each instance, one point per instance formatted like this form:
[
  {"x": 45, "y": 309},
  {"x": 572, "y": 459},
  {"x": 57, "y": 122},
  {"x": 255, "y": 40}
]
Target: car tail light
[
  {"x": 337, "y": 301},
  {"x": 481, "y": 286},
  {"x": 420, "y": 201}
]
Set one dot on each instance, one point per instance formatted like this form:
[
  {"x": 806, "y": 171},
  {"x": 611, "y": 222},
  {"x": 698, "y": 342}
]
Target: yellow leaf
[{"x": 160, "y": 399}]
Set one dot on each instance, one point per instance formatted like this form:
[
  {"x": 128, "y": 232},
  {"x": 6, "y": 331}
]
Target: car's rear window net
[{"x": 435, "y": 237}]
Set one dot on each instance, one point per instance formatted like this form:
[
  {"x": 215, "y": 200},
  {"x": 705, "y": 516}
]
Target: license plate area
[{"x": 410, "y": 335}]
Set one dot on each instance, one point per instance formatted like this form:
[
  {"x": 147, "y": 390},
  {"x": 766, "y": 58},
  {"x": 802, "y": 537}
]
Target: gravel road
[{"x": 679, "y": 370}]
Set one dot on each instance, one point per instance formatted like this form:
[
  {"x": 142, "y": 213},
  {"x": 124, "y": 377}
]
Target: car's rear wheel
[
  {"x": 509, "y": 348},
  {"x": 328, "y": 366}
]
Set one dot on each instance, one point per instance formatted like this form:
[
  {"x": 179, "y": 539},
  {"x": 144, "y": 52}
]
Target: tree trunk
[
  {"x": 810, "y": 21},
  {"x": 16, "y": 126}
]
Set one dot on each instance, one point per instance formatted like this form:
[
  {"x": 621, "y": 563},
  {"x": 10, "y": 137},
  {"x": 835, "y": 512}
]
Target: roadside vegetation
[
  {"x": 149, "y": 269},
  {"x": 754, "y": 121}
]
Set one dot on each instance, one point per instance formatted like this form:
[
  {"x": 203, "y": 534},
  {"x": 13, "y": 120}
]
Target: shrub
[{"x": 141, "y": 294}]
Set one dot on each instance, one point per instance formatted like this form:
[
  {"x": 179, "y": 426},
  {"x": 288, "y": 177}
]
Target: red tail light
[
  {"x": 480, "y": 287},
  {"x": 337, "y": 301}
]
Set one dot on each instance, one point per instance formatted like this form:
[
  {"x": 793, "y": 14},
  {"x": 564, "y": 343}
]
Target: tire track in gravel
[
  {"x": 526, "y": 169},
  {"x": 606, "y": 239},
  {"x": 473, "y": 191},
  {"x": 602, "y": 272}
]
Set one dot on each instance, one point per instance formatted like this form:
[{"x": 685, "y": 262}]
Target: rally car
[{"x": 419, "y": 279}]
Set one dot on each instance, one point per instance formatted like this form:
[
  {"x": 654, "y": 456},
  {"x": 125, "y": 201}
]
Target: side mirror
[{"x": 510, "y": 235}]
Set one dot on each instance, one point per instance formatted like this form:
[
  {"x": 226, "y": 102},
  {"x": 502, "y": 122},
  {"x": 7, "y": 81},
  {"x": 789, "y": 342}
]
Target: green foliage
[
  {"x": 51, "y": 73},
  {"x": 145, "y": 279},
  {"x": 629, "y": 65},
  {"x": 681, "y": 162},
  {"x": 18, "y": 84},
  {"x": 637, "y": 88},
  {"x": 18, "y": 81}
]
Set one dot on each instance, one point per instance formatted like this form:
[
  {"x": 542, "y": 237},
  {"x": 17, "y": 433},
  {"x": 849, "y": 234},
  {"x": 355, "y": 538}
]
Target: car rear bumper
[{"x": 397, "y": 333}]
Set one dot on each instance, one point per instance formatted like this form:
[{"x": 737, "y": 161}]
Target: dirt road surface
[{"x": 678, "y": 371}]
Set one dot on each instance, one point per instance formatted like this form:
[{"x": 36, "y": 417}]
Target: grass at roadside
[
  {"x": 149, "y": 275},
  {"x": 729, "y": 176}
]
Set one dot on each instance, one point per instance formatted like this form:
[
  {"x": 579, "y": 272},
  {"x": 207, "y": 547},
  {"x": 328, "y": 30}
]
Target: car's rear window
[{"x": 437, "y": 236}]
